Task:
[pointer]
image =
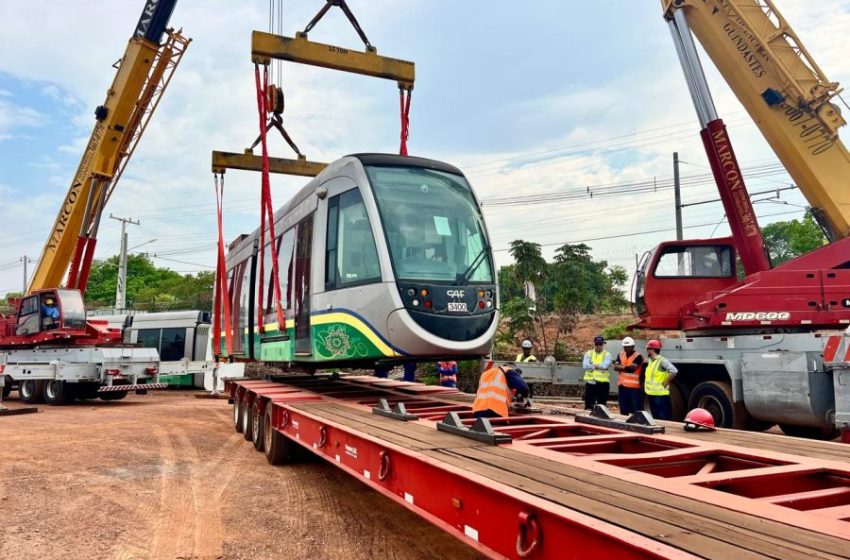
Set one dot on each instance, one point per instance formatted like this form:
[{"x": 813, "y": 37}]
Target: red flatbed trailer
[{"x": 562, "y": 488}]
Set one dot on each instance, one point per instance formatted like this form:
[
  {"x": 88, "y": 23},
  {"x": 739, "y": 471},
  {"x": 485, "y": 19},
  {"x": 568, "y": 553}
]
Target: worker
[
  {"x": 495, "y": 387},
  {"x": 49, "y": 312},
  {"x": 628, "y": 365},
  {"x": 596, "y": 363},
  {"x": 658, "y": 375},
  {"x": 447, "y": 372},
  {"x": 525, "y": 356}
]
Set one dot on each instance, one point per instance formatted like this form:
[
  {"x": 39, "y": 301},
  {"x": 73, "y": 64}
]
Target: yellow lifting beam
[
  {"x": 249, "y": 162},
  {"x": 266, "y": 46}
]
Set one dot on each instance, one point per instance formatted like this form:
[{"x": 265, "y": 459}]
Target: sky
[{"x": 527, "y": 98}]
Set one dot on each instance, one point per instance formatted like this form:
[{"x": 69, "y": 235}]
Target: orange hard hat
[
  {"x": 654, "y": 344},
  {"x": 699, "y": 418}
]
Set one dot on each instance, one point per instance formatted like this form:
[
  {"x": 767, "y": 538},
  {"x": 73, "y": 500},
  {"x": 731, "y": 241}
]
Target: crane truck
[
  {"x": 769, "y": 346},
  {"x": 48, "y": 347}
]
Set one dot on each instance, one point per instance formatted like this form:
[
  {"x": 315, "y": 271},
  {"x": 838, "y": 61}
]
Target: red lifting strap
[
  {"x": 404, "y": 107},
  {"x": 266, "y": 209},
  {"x": 222, "y": 295}
]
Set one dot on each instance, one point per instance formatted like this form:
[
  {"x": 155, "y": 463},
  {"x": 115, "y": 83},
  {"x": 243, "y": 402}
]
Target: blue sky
[{"x": 527, "y": 98}]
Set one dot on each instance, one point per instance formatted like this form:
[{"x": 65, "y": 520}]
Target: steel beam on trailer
[
  {"x": 266, "y": 46},
  {"x": 249, "y": 162}
]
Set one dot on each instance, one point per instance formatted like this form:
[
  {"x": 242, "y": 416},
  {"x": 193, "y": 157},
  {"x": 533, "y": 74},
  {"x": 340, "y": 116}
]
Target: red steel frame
[{"x": 804, "y": 492}]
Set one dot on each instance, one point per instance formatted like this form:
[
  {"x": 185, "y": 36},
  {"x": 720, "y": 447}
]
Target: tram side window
[
  {"x": 149, "y": 338},
  {"x": 351, "y": 257},
  {"x": 284, "y": 266},
  {"x": 173, "y": 344}
]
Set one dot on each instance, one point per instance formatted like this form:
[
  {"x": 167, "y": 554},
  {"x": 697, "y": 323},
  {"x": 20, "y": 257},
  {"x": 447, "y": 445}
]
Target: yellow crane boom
[{"x": 786, "y": 94}]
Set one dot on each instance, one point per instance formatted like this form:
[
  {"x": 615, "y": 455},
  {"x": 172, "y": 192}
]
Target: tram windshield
[{"x": 433, "y": 226}]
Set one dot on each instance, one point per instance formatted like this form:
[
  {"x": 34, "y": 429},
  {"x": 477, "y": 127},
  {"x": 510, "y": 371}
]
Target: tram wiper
[{"x": 462, "y": 279}]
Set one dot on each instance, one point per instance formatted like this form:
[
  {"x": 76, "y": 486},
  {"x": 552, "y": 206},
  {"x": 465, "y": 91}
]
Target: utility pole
[
  {"x": 121, "y": 286},
  {"x": 678, "y": 194},
  {"x": 25, "y": 259}
]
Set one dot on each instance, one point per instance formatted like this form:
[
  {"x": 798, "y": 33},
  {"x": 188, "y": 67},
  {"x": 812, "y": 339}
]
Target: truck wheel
[
  {"x": 237, "y": 415},
  {"x": 257, "y": 425},
  {"x": 112, "y": 395},
  {"x": 716, "y": 397},
  {"x": 85, "y": 391},
  {"x": 30, "y": 390},
  {"x": 809, "y": 432},
  {"x": 57, "y": 392},
  {"x": 247, "y": 432},
  {"x": 7, "y": 388},
  {"x": 679, "y": 401},
  {"x": 278, "y": 448}
]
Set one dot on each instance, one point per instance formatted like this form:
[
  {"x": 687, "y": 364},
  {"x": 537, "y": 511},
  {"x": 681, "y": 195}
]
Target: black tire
[
  {"x": 112, "y": 395},
  {"x": 7, "y": 389},
  {"x": 678, "y": 401},
  {"x": 30, "y": 390},
  {"x": 278, "y": 448},
  {"x": 716, "y": 397},
  {"x": 245, "y": 409},
  {"x": 57, "y": 392},
  {"x": 809, "y": 432},
  {"x": 85, "y": 391},
  {"x": 257, "y": 425},
  {"x": 237, "y": 415}
]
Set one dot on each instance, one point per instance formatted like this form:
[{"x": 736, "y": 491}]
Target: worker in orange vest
[
  {"x": 447, "y": 372},
  {"x": 629, "y": 366},
  {"x": 494, "y": 395}
]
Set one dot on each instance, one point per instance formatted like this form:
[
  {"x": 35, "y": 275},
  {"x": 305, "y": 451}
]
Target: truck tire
[
  {"x": 7, "y": 389},
  {"x": 85, "y": 391},
  {"x": 112, "y": 395},
  {"x": 678, "y": 401},
  {"x": 257, "y": 421},
  {"x": 57, "y": 392},
  {"x": 237, "y": 415},
  {"x": 247, "y": 432},
  {"x": 30, "y": 390},
  {"x": 809, "y": 432},
  {"x": 278, "y": 448},
  {"x": 716, "y": 397}
]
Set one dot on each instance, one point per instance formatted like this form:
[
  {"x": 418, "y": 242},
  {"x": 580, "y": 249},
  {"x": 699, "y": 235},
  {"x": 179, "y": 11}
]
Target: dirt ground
[{"x": 165, "y": 476}]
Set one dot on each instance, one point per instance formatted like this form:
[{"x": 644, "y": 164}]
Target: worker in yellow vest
[
  {"x": 657, "y": 378},
  {"x": 525, "y": 356},
  {"x": 495, "y": 388},
  {"x": 596, "y": 381},
  {"x": 629, "y": 366}
]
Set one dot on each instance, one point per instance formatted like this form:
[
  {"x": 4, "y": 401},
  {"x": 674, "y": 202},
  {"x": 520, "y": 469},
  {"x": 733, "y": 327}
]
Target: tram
[{"x": 382, "y": 259}]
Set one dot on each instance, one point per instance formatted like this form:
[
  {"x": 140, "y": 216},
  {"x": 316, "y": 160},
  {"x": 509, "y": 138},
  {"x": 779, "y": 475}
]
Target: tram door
[{"x": 303, "y": 248}]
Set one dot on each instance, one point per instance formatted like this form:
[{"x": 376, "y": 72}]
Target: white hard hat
[
  {"x": 628, "y": 341},
  {"x": 526, "y": 343}
]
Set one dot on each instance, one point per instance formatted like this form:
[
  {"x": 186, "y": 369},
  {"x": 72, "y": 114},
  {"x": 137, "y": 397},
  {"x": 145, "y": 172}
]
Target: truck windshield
[
  {"x": 73, "y": 310},
  {"x": 433, "y": 226}
]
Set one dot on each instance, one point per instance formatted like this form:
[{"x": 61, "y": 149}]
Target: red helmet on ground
[
  {"x": 699, "y": 418},
  {"x": 653, "y": 344}
]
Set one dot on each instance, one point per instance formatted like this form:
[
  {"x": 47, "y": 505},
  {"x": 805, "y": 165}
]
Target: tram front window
[{"x": 433, "y": 226}]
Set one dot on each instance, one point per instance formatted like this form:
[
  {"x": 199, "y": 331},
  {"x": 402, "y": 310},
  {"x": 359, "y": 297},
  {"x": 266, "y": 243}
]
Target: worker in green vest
[
  {"x": 597, "y": 384},
  {"x": 658, "y": 375},
  {"x": 525, "y": 356}
]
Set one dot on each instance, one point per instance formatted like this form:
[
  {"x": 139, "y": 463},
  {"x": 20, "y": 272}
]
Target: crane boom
[
  {"x": 142, "y": 74},
  {"x": 786, "y": 94}
]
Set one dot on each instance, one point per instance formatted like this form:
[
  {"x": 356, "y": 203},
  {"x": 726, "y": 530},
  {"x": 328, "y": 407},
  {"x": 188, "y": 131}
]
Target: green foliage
[
  {"x": 148, "y": 286},
  {"x": 615, "y": 331},
  {"x": 792, "y": 238}
]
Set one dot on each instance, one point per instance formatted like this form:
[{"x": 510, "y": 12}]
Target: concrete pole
[
  {"x": 121, "y": 285},
  {"x": 25, "y": 259},
  {"x": 678, "y": 194}
]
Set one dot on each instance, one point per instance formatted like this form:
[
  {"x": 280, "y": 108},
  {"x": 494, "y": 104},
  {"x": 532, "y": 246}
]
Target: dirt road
[{"x": 165, "y": 476}]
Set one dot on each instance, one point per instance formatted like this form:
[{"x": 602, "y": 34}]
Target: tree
[{"x": 792, "y": 238}]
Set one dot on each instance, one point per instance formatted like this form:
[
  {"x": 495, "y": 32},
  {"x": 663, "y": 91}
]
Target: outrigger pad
[
  {"x": 640, "y": 422},
  {"x": 399, "y": 412},
  {"x": 601, "y": 411},
  {"x": 641, "y": 418},
  {"x": 481, "y": 430}
]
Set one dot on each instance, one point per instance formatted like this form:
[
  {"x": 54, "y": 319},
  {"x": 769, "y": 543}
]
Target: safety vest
[
  {"x": 655, "y": 378},
  {"x": 493, "y": 393},
  {"x": 600, "y": 375},
  {"x": 626, "y": 379},
  {"x": 446, "y": 371},
  {"x": 520, "y": 359}
]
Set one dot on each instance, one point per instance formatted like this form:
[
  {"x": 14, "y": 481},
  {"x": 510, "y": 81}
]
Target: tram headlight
[
  {"x": 411, "y": 292},
  {"x": 489, "y": 304},
  {"x": 415, "y": 303}
]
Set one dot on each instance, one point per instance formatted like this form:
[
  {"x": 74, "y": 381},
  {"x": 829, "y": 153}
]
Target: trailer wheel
[
  {"x": 30, "y": 390},
  {"x": 678, "y": 401},
  {"x": 57, "y": 392},
  {"x": 278, "y": 448},
  {"x": 716, "y": 397},
  {"x": 112, "y": 395},
  {"x": 237, "y": 415},
  {"x": 257, "y": 421},
  {"x": 245, "y": 410},
  {"x": 809, "y": 432}
]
